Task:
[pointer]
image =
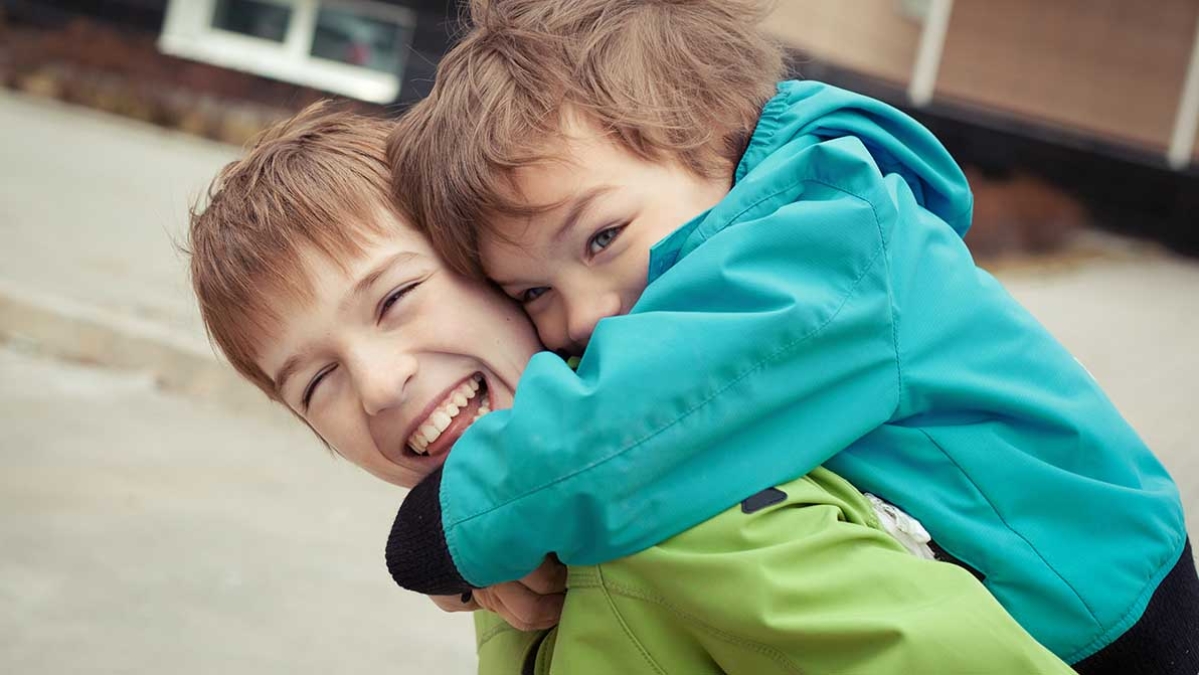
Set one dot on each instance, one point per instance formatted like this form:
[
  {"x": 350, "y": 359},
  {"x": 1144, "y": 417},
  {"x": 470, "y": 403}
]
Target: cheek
[
  {"x": 522, "y": 330},
  {"x": 549, "y": 330},
  {"x": 634, "y": 269},
  {"x": 401, "y": 475},
  {"x": 343, "y": 431},
  {"x": 664, "y": 223},
  {"x": 357, "y": 447},
  {"x": 341, "y": 423},
  {"x": 492, "y": 313}
]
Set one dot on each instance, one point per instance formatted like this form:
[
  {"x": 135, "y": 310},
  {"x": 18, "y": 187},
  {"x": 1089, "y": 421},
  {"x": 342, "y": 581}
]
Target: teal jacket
[{"x": 825, "y": 312}]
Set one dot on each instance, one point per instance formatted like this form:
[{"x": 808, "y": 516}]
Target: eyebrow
[
  {"x": 578, "y": 208},
  {"x": 293, "y": 362},
  {"x": 364, "y": 284},
  {"x": 289, "y": 368}
]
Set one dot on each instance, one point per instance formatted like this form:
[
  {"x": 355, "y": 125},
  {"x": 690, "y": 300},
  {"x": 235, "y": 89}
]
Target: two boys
[
  {"x": 318, "y": 290},
  {"x": 822, "y": 310}
]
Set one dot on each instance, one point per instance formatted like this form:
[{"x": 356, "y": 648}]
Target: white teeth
[
  {"x": 441, "y": 418},
  {"x": 419, "y": 443}
]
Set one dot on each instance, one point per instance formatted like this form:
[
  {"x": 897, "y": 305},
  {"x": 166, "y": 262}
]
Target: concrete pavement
[
  {"x": 143, "y": 532},
  {"x": 92, "y": 208},
  {"x": 156, "y": 514}
]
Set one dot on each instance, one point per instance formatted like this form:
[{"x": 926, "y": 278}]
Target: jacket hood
[{"x": 804, "y": 112}]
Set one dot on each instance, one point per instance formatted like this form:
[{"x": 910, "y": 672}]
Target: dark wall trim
[{"x": 1127, "y": 189}]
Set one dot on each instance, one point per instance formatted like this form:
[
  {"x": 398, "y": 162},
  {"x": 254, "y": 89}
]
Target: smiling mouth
[{"x": 462, "y": 406}]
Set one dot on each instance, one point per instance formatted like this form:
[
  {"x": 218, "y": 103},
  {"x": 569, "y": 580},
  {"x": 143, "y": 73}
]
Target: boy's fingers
[
  {"x": 534, "y": 612},
  {"x": 520, "y": 607},
  {"x": 533, "y": 603},
  {"x": 547, "y": 579},
  {"x": 453, "y": 603},
  {"x": 489, "y": 600}
]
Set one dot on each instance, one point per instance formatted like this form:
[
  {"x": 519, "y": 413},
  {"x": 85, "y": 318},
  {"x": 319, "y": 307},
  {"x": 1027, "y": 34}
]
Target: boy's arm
[
  {"x": 754, "y": 359},
  {"x": 768, "y": 347}
]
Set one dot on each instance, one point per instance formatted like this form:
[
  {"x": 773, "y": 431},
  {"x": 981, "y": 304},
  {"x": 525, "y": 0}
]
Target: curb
[{"x": 66, "y": 329}]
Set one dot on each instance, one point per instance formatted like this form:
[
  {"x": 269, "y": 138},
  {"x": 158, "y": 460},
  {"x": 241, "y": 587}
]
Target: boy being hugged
[
  {"x": 782, "y": 284},
  {"x": 320, "y": 292}
]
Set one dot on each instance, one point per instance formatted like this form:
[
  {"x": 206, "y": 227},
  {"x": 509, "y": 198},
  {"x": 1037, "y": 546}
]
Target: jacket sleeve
[
  {"x": 802, "y": 588},
  {"x": 776, "y": 332},
  {"x": 768, "y": 336}
]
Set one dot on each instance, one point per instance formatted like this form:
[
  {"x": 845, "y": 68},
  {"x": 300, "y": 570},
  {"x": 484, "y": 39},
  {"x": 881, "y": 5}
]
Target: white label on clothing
[{"x": 905, "y": 529}]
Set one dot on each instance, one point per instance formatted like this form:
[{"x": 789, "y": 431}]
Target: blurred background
[{"x": 156, "y": 513}]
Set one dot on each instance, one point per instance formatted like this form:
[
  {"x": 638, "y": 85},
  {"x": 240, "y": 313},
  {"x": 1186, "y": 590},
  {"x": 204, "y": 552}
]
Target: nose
[
  {"x": 381, "y": 378},
  {"x": 585, "y": 312}
]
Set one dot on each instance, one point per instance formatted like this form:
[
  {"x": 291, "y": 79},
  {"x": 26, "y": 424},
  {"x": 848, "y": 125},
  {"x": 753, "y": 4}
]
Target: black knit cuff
[{"x": 417, "y": 555}]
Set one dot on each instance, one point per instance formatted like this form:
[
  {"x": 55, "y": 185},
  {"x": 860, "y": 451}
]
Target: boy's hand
[
  {"x": 533, "y": 603},
  {"x": 419, "y": 560}
]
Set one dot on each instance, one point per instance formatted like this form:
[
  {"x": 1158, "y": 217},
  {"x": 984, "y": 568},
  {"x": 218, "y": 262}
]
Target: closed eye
[
  {"x": 310, "y": 390},
  {"x": 392, "y": 298}
]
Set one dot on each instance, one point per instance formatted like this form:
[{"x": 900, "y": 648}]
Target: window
[
  {"x": 358, "y": 40},
  {"x": 252, "y": 17},
  {"x": 349, "y": 47}
]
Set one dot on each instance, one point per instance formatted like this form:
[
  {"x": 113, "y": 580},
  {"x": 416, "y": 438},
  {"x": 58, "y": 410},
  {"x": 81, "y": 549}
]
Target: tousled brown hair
[
  {"x": 679, "y": 81},
  {"x": 315, "y": 183}
]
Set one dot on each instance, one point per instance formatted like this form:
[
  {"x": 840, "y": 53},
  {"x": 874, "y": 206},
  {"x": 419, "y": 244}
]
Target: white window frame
[
  {"x": 188, "y": 33},
  {"x": 1181, "y": 151}
]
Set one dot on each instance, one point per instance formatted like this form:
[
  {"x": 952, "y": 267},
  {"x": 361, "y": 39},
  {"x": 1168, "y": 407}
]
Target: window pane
[
  {"x": 346, "y": 36},
  {"x": 259, "y": 19}
]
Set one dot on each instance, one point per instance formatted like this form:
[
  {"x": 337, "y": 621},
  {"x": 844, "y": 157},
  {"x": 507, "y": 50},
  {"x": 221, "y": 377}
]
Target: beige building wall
[
  {"x": 1113, "y": 68},
  {"x": 869, "y": 36},
  {"x": 1110, "y": 67}
]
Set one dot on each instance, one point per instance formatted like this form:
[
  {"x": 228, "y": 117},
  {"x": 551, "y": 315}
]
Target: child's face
[
  {"x": 588, "y": 257},
  {"x": 394, "y": 349}
]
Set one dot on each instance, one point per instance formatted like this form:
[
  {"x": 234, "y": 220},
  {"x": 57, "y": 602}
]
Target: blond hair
[
  {"x": 679, "y": 81},
  {"x": 317, "y": 182}
]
